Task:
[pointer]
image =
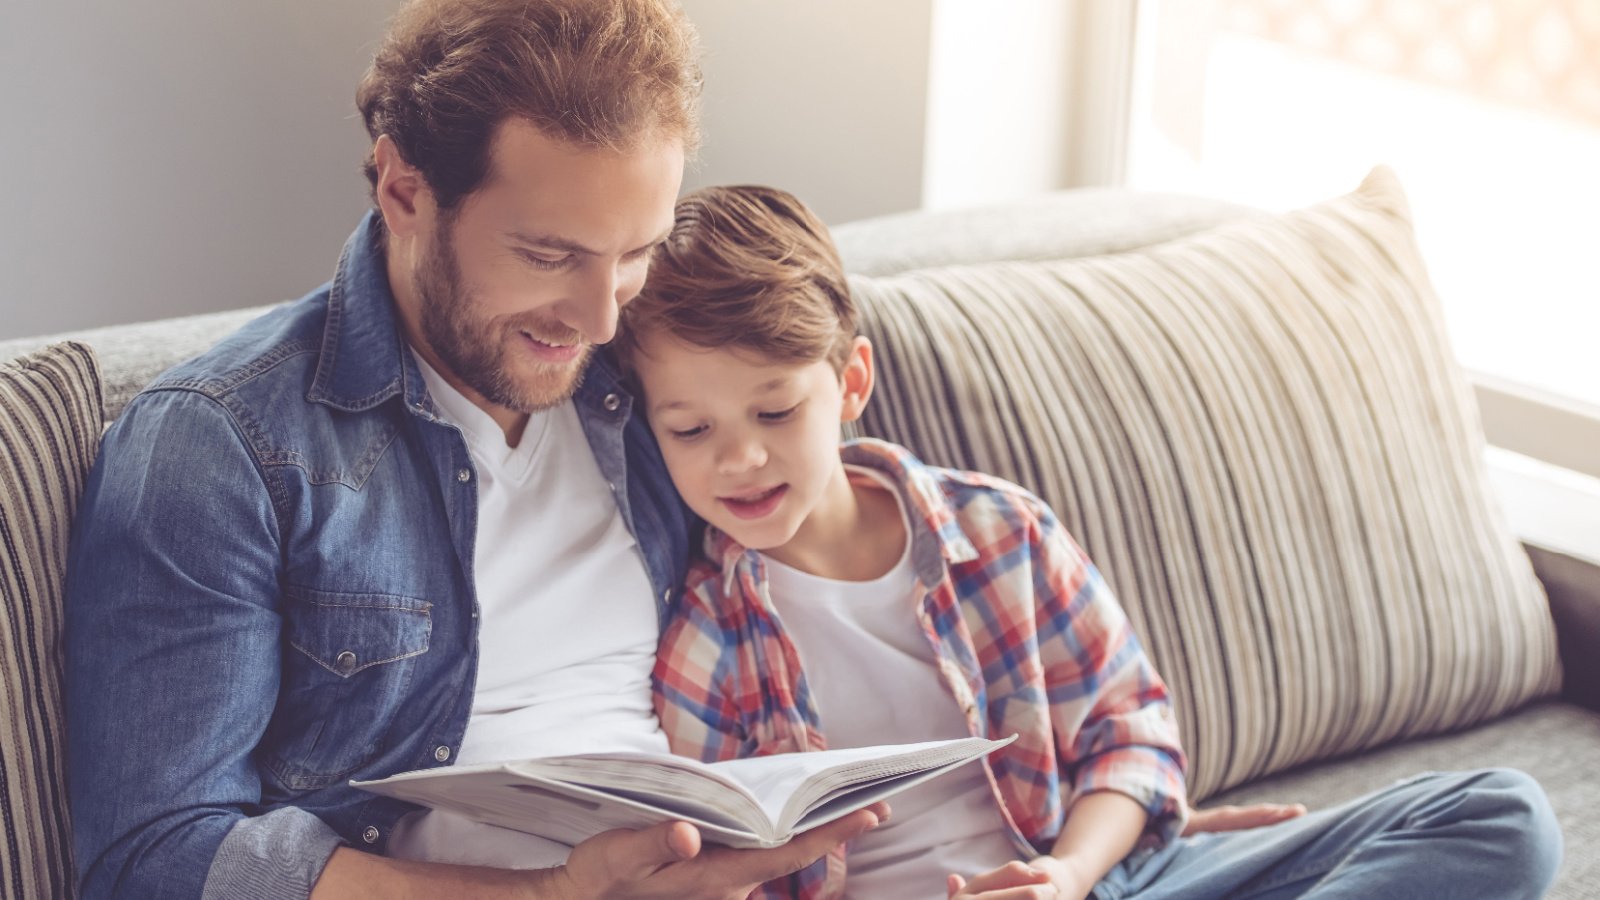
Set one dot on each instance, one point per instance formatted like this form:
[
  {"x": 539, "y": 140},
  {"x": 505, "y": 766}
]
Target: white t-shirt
[
  {"x": 567, "y": 622},
  {"x": 874, "y": 678}
]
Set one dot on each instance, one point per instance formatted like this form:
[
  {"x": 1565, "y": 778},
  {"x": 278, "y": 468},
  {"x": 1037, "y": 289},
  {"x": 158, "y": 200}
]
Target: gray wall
[
  {"x": 168, "y": 157},
  {"x": 824, "y": 98},
  {"x": 175, "y": 156}
]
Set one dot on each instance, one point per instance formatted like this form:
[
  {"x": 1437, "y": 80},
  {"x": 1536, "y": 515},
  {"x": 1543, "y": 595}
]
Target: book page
[{"x": 788, "y": 784}]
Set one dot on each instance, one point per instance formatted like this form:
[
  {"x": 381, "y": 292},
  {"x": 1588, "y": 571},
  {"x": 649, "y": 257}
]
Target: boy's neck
[{"x": 856, "y": 534}]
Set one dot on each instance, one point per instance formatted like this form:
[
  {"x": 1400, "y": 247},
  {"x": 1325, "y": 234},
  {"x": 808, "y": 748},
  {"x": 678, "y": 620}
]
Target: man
[{"x": 409, "y": 520}]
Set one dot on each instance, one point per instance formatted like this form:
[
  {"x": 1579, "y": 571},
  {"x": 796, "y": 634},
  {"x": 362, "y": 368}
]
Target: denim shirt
[{"x": 270, "y": 593}]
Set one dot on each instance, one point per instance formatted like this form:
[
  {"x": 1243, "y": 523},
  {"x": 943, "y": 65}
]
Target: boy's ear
[
  {"x": 403, "y": 196},
  {"x": 856, "y": 379}
]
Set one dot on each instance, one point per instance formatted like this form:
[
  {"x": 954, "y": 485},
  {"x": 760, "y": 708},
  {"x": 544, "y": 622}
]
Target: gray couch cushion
[
  {"x": 50, "y": 424},
  {"x": 1258, "y": 433},
  {"x": 131, "y": 356}
]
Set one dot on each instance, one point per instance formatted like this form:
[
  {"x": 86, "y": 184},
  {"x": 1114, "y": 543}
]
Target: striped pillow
[
  {"x": 1259, "y": 434},
  {"x": 50, "y": 424}
]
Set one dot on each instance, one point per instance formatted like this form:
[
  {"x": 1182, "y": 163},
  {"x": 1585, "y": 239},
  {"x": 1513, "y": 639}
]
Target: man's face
[{"x": 521, "y": 280}]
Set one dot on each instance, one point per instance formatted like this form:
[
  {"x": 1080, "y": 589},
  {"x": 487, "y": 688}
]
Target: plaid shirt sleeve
[
  {"x": 693, "y": 677},
  {"x": 695, "y": 688},
  {"x": 1109, "y": 709}
]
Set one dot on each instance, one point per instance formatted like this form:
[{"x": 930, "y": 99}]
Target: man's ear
[
  {"x": 856, "y": 379},
  {"x": 403, "y": 195}
]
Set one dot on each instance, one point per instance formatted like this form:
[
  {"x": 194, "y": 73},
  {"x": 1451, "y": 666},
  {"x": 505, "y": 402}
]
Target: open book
[{"x": 757, "y": 802}]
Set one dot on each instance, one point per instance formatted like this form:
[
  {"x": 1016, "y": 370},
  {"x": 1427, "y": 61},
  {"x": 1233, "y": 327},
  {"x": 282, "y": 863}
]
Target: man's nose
[{"x": 592, "y": 308}]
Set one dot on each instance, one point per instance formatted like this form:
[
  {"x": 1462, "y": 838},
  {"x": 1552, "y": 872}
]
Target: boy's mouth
[{"x": 755, "y": 504}]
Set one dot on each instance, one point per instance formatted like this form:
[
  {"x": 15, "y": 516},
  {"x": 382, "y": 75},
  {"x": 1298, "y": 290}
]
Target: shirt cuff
[
  {"x": 277, "y": 856},
  {"x": 1148, "y": 775}
]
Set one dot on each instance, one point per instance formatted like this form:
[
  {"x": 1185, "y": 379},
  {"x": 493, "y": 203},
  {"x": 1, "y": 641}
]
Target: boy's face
[{"x": 752, "y": 445}]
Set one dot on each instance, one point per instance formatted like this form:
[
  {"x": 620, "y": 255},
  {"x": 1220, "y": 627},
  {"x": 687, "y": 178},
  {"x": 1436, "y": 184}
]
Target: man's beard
[{"x": 474, "y": 348}]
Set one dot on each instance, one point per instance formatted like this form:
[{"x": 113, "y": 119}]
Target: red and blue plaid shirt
[{"x": 1025, "y": 632}]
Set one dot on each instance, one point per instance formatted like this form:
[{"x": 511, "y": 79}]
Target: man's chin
[{"x": 549, "y": 386}]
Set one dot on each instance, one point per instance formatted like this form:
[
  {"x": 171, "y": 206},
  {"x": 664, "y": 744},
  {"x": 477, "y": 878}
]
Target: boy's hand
[
  {"x": 668, "y": 860},
  {"x": 1044, "y": 878},
  {"x": 1238, "y": 818}
]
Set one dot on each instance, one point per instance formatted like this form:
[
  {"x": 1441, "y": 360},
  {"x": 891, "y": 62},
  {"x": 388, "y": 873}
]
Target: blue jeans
[{"x": 1488, "y": 834}]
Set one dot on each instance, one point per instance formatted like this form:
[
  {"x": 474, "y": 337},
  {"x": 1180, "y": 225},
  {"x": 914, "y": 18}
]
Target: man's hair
[
  {"x": 598, "y": 73},
  {"x": 749, "y": 268}
]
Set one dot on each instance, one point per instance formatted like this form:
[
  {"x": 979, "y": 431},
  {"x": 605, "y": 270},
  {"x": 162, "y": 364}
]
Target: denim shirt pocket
[{"x": 348, "y": 663}]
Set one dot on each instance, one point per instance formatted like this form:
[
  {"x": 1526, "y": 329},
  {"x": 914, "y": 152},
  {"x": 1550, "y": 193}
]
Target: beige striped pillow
[
  {"x": 1259, "y": 434},
  {"x": 50, "y": 424}
]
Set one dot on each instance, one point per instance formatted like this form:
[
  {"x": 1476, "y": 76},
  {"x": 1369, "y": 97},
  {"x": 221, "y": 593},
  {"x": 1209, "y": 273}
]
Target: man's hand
[
  {"x": 1238, "y": 818},
  {"x": 668, "y": 861}
]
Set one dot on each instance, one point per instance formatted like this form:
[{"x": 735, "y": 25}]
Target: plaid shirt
[{"x": 1026, "y": 634}]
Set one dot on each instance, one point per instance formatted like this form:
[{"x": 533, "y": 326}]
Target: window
[{"x": 1489, "y": 111}]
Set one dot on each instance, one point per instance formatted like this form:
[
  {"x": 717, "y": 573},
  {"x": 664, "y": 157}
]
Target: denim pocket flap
[{"x": 346, "y": 633}]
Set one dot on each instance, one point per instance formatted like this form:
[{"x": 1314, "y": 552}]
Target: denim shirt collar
[{"x": 363, "y": 360}]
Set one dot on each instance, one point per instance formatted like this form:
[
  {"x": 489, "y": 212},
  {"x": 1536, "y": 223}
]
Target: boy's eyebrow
[
  {"x": 556, "y": 242},
  {"x": 763, "y": 388}
]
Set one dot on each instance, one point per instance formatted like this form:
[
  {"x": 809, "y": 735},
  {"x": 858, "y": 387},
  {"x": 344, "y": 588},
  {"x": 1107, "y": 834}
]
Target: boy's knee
[{"x": 1517, "y": 806}]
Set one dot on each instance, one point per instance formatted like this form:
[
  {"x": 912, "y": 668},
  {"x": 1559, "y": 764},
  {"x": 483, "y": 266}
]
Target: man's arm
[
  {"x": 172, "y": 655},
  {"x": 666, "y": 861}
]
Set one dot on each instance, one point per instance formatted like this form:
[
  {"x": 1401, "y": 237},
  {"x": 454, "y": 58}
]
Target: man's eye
[
  {"x": 778, "y": 416},
  {"x": 539, "y": 262},
  {"x": 687, "y": 434}
]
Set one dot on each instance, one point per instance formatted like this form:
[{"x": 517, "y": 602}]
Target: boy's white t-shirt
[
  {"x": 567, "y": 628},
  {"x": 875, "y": 681}
]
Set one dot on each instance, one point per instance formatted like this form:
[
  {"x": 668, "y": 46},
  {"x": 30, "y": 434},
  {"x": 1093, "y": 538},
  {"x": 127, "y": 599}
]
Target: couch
[{"x": 1250, "y": 421}]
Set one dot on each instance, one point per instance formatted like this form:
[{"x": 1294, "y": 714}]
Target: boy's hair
[
  {"x": 750, "y": 268},
  {"x": 600, "y": 73}
]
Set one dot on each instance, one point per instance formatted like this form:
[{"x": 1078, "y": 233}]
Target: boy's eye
[
  {"x": 778, "y": 415},
  {"x": 687, "y": 433}
]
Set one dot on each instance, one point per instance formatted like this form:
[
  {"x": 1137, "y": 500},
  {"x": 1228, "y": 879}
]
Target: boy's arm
[{"x": 1109, "y": 708}]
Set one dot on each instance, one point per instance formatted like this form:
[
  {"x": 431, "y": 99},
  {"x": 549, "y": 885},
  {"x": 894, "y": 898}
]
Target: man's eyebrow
[
  {"x": 556, "y": 242},
  {"x": 550, "y": 242}
]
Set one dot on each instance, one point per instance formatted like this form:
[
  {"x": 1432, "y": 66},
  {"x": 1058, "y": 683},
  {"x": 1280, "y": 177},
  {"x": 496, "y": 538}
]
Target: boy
[{"x": 861, "y": 594}]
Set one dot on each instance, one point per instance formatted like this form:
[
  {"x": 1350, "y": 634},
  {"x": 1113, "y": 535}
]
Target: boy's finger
[
  {"x": 953, "y": 885},
  {"x": 1011, "y": 875},
  {"x": 1238, "y": 818}
]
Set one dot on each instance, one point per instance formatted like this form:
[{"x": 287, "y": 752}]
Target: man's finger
[
  {"x": 649, "y": 849},
  {"x": 756, "y": 866}
]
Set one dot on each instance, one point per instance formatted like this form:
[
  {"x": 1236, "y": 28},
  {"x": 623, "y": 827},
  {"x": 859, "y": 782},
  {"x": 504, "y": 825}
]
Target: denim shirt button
[
  {"x": 611, "y": 402},
  {"x": 345, "y": 662},
  {"x": 370, "y": 835},
  {"x": 464, "y": 475},
  {"x": 441, "y": 753}
]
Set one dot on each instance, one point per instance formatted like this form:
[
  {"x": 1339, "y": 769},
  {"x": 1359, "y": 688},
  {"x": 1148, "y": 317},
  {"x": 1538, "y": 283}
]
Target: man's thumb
[{"x": 664, "y": 844}]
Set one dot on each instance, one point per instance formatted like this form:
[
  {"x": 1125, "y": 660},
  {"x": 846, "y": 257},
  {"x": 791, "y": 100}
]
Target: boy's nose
[{"x": 740, "y": 454}]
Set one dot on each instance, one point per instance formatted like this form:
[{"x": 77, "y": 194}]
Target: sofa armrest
[{"x": 1573, "y": 586}]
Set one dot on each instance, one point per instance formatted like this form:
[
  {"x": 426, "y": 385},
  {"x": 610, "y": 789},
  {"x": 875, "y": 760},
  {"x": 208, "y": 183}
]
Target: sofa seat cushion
[
  {"x": 1557, "y": 743},
  {"x": 1259, "y": 434},
  {"x": 50, "y": 424}
]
